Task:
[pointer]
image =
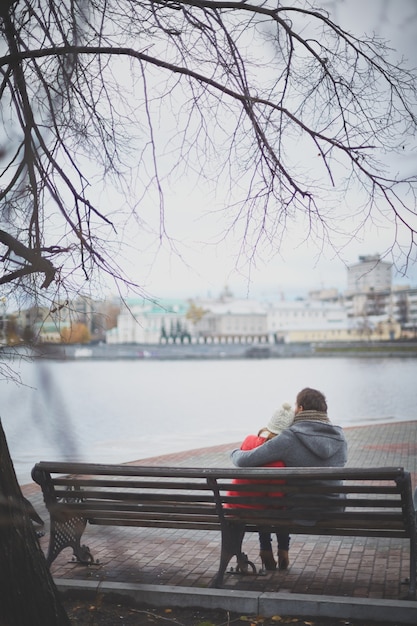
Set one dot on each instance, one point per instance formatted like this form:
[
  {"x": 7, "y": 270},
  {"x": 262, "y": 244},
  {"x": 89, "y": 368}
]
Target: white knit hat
[{"x": 281, "y": 419}]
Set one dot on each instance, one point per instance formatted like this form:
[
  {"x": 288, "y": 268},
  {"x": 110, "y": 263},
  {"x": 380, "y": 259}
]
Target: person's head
[
  {"x": 281, "y": 419},
  {"x": 310, "y": 400}
]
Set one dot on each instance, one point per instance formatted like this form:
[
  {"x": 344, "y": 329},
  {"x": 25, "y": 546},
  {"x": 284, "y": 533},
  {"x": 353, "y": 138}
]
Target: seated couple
[{"x": 304, "y": 437}]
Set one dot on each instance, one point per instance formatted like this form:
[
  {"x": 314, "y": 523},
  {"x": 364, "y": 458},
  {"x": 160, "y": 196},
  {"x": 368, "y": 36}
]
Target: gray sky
[{"x": 200, "y": 267}]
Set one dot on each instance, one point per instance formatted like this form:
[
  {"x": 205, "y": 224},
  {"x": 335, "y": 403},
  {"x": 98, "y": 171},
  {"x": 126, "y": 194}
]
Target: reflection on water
[{"x": 117, "y": 411}]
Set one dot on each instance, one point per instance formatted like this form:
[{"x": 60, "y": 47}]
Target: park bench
[{"x": 357, "y": 502}]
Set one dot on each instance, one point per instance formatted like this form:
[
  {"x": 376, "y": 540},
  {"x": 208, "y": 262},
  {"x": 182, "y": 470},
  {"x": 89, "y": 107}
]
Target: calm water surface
[{"x": 119, "y": 411}]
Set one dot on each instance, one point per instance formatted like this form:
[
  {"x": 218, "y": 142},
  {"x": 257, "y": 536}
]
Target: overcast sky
[{"x": 198, "y": 267}]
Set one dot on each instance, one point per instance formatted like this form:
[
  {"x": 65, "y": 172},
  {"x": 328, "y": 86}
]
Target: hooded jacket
[{"x": 307, "y": 443}]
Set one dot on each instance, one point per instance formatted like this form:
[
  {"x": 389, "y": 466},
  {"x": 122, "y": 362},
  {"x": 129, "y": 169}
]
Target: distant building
[
  {"x": 223, "y": 320},
  {"x": 229, "y": 320},
  {"x": 405, "y": 310},
  {"x": 97, "y": 316},
  {"x": 51, "y": 324},
  {"x": 325, "y": 295},
  {"x": 369, "y": 274},
  {"x": 371, "y": 303},
  {"x": 354, "y": 331},
  {"x": 146, "y": 322},
  {"x": 306, "y": 321}
]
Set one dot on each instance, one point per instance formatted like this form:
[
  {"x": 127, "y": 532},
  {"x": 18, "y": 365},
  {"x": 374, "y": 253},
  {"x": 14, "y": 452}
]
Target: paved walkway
[{"x": 323, "y": 566}]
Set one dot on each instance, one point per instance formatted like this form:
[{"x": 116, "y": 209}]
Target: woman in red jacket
[{"x": 282, "y": 419}]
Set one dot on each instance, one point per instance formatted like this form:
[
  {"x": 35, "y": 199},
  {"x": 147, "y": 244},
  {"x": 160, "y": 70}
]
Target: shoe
[
  {"x": 268, "y": 561},
  {"x": 283, "y": 559}
]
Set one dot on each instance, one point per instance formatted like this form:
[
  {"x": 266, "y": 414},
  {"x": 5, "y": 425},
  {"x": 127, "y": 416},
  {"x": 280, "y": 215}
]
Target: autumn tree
[
  {"x": 76, "y": 333},
  {"x": 107, "y": 104},
  {"x": 195, "y": 313}
]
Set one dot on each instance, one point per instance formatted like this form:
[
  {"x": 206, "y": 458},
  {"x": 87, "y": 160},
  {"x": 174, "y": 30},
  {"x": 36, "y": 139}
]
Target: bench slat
[
  {"x": 311, "y": 473},
  {"x": 187, "y": 525},
  {"x": 86, "y": 483},
  {"x": 197, "y": 516},
  {"x": 308, "y": 502},
  {"x": 78, "y": 494},
  {"x": 302, "y": 486},
  {"x": 88, "y": 509}
]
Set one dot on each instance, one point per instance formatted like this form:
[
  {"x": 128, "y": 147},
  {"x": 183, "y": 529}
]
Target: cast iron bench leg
[
  {"x": 67, "y": 533},
  {"x": 231, "y": 545}
]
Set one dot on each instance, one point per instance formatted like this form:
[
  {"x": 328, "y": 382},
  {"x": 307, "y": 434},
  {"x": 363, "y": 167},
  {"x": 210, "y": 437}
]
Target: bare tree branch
[
  {"x": 337, "y": 95},
  {"x": 37, "y": 263}
]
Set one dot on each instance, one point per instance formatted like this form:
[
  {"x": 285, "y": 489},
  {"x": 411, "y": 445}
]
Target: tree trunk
[{"x": 28, "y": 593}]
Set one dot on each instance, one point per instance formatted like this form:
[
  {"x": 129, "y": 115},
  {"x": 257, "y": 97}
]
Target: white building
[
  {"x": 146, "y": 322},
  {"x": 307, "y": 320},
  {"x": 225, "y": 320},
  {"x": 232, "y": 321}
]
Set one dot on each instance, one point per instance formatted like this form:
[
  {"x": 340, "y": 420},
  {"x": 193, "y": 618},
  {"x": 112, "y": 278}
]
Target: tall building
[{"x": 369, "y": 274}]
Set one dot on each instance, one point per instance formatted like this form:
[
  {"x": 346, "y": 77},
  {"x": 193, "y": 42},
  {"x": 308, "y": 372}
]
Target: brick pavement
[{"x": 331, "y": 566}]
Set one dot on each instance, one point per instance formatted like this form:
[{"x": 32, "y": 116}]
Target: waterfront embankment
[{"x": 403, "y": 349}]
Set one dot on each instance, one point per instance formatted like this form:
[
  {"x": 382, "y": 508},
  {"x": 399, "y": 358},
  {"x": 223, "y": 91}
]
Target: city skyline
[{"x": 293, "y": 280}]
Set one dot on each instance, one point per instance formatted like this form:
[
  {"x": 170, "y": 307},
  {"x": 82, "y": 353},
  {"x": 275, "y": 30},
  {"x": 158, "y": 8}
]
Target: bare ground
[{"x": 110, "y": 612}]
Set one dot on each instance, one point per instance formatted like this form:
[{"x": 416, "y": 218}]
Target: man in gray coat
[{"x": 311, "y": 441}]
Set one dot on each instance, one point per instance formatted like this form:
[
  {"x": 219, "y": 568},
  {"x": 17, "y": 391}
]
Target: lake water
[{"x": 119, "y": 411}]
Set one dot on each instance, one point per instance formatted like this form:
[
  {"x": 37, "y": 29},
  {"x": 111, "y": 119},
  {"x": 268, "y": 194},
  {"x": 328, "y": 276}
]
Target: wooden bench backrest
[
  {"x": 129, "y": 496},
  {"x": 375, "y": 500},
  {"x": 349, "y": 501}
]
